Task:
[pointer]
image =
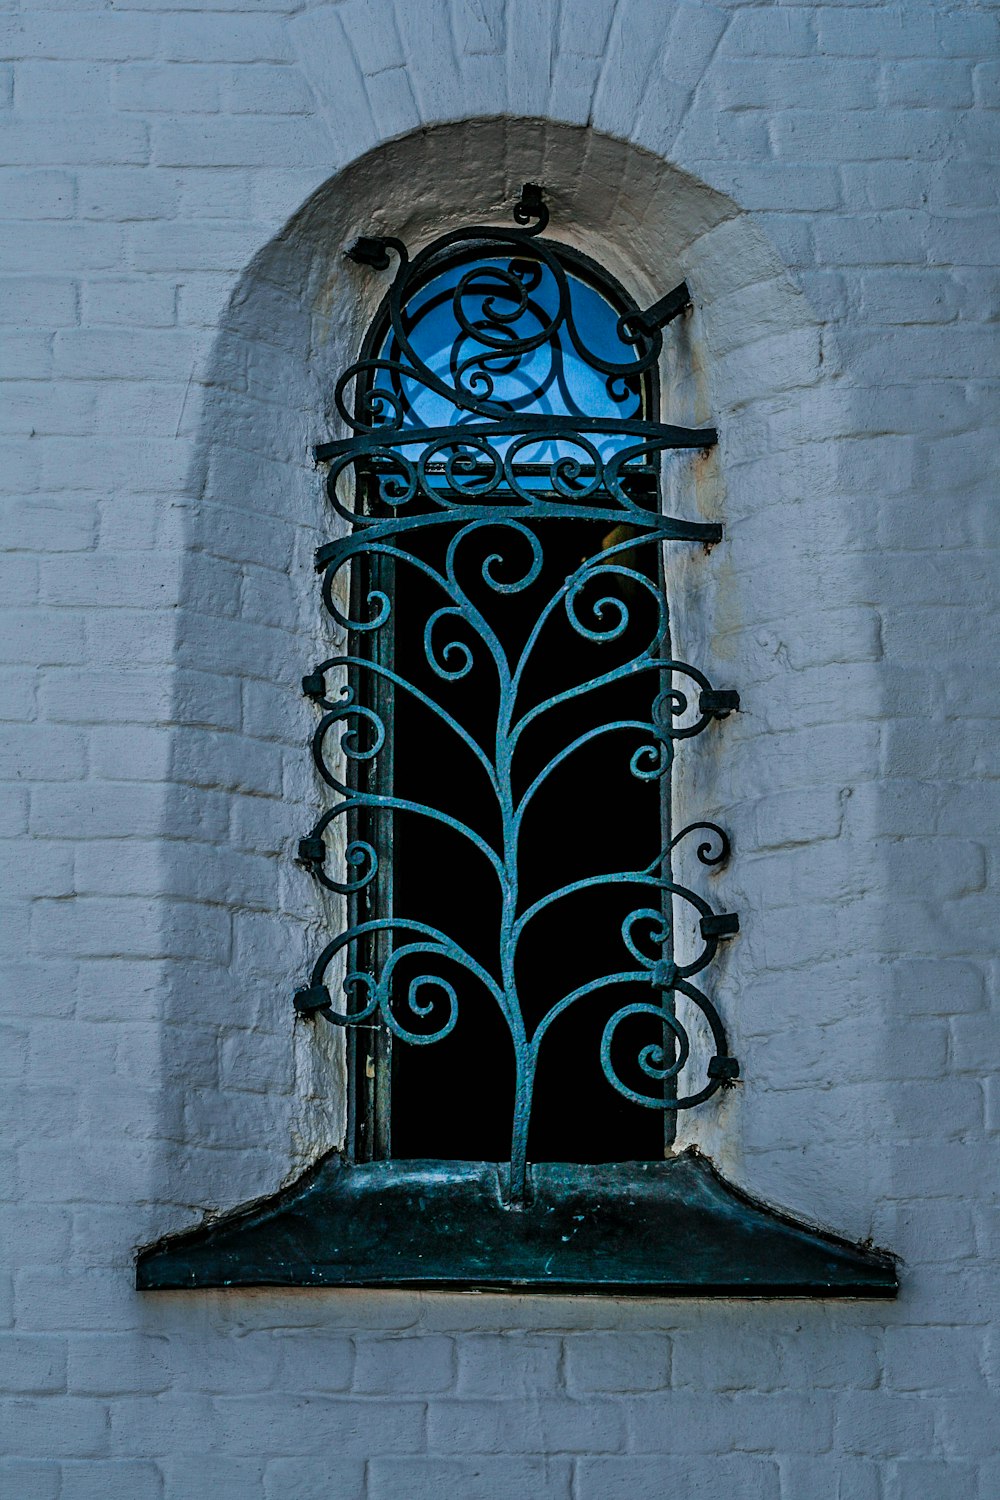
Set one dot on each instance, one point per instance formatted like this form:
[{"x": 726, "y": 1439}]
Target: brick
[
  {"x": 241, "y": 141},
  {"x": 79, "y": 88},
  {"x": 137, "y": 302},
  {"x": 190, "y": 89},
  {"x": 228, "y": 1478},
  {"x": 497, "y": 1365},
  {"x": 551, "y": 1425},
  {"x": 967, "y": 1424},
  {"x": 879, "y": 1424},
  {"x": 30, "y": 1481},
  {"x": 102, "y": 354},
  {"x": 746, "y": 1363},
  {"x": 111, "y": 1481},
  {"x": 410, "y": 1365},
  {"x": 927, "y": 84},
  {"x": 931, "y": 1479},
  {"x": 37, "y": 194},
  {"x": 614, "y": 1362},
  {"x": 313, "y": 1357},
  {"x": 396, "y": 1427},
  {"x": 214, "y": 39},
  {"x": 121, "y": 194},
  {"x": 318, "y": 1479},
  {"x": 62, "y": 143},
  {"x": 41, "y": 753},
  {"x": 32, "y": 1364},
  {"x": 54, "y": 245},
  {"x": 648, "y": 1478},
  {"x": 788, "y": 32},
  {"x": 95, "y": 34},
  {"x": 475, "y": 1478},
  {"x": 191, "y": 247},
  {"x": 30, "y": 355},
  {"x": 267, "y": 90},
  {"x": 98, "y": 927},
  {"x": 918, "y": 1359},
  {"x": 41, "y": 636},
  {"x": 18, "y": 694},
  {"x": 888, "y": 31},
  {"x": 208, "y": 194},
  {"x": 850, "y": 601},
  {"x": 789, "y": 84},
  {"x": 100, "y": 1366},
  {"x": 20, "y": 579},
  {"x": 832, "y": 1476},
  {"x": 53, "y": 1426}
]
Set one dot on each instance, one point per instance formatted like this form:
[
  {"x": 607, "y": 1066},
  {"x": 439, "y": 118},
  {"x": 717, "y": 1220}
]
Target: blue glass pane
[{"x": 494, "y": 329}]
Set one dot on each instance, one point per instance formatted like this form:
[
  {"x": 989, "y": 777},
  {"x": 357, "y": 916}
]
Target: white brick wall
[{"x": 826, "y": 178}]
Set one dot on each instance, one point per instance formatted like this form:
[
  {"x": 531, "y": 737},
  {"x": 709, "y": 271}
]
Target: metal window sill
[{"x": 672, "y": 1228}]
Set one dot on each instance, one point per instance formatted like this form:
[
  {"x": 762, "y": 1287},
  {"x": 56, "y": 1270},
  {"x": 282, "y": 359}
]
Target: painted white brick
[
  {"x": 254, "y": 89},
  {"x": 213, "y": 39},
  {"x": 111, "y": 1481},
  {"x": 55, "y": 245},
  {"x": 190, "y": 89},
  {"x": 107, "y": 36},
  {"x": 114, "y": 193},
  {"x": 48, "y": 303},
  {"x": 37, "y": 195},
  {"x": 481, "y": 1478},
  {"x": 71, "y": 88},
  {"x": 133, "y": 302},
  {"x": 107, "y": 138},
  {"x": 160, "y": 607},
  {"x": 31, "y": 1481}
]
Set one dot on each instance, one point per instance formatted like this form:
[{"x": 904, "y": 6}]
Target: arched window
[
  {"x": 500, "y": 730},
  {"x": 520, "y": 975}
]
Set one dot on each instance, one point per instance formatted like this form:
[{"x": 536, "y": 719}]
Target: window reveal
[
  {"x": 513, "y": 960},
  {"x": 501, "y": 728}
]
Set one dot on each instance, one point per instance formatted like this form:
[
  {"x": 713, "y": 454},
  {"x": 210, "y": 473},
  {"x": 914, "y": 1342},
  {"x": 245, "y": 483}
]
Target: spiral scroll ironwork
[{"x": 486, "y": 484}]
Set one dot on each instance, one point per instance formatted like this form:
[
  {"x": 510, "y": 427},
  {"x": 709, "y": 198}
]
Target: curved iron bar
[
  {"x": 660, "y": 768},
  {"x": 403, "y": 480},
  {"x": 379, "y": 670},
  {"x": 378, "y": 991},
  {"x": 704, "y": 850},
  {"x": 652, "y": 1059},
  {"x": 521, "y": 247}
]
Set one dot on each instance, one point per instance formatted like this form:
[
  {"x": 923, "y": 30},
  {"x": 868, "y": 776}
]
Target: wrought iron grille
[{"x": 504, "y": 456}]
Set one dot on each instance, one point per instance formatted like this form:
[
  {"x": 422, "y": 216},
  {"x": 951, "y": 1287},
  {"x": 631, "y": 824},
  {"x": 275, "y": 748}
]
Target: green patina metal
[{"x": 672, "y": 1228}]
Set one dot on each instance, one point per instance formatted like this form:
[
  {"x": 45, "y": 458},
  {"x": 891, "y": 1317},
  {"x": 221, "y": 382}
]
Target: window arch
[
  {"x": 366, "y": 1217},
  {"x": 501, "y": 729}
]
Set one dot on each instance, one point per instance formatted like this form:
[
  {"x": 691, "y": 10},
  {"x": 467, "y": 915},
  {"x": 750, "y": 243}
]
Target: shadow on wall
[{"x": 249, "y": 1096}]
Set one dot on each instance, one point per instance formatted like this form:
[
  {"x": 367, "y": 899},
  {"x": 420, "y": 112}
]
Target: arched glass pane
[{"x": 514, "y": 334}]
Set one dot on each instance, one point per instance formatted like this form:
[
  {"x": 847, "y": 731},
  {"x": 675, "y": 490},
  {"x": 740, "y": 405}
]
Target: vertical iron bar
[
  {"x": 668, "y": 997},
  {"x": 384, "y": 693}
]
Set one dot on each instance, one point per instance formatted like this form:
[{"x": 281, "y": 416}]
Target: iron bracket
[
  {"x": 661, "y": 313},
  {"x": 726, "y": 1068},
  {"x": 720, "y": 925},
  {"x": 309, "y": 1002},
  {"x": 368, "y": 250},
  {"x": 312, "y": 851},
  {"x": 530, "y": 205},
  {"x": 719, "y": 702}
]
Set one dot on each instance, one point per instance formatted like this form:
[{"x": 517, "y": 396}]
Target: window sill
[{"x": 673, "y": 1228}]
